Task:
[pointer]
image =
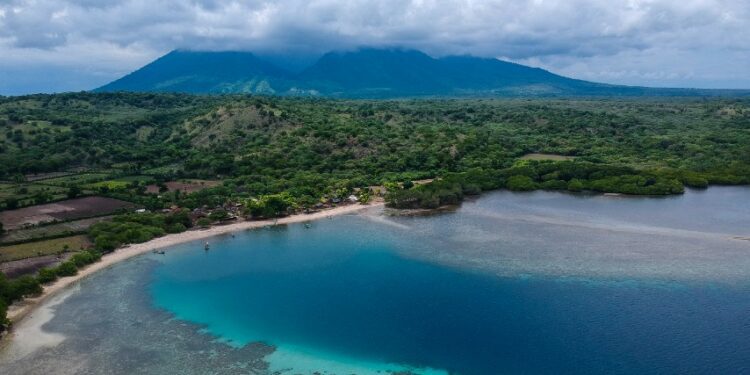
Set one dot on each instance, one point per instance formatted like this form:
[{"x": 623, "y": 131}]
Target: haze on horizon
[{"x": 72, "y": 45}]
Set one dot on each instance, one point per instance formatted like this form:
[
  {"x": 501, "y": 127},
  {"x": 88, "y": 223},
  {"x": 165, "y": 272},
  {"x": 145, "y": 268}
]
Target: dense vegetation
[{"x": 312, "y": 149}]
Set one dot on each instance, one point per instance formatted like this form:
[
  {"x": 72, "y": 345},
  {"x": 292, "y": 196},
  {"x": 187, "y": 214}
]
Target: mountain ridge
[{"x": 368, "y": 73}]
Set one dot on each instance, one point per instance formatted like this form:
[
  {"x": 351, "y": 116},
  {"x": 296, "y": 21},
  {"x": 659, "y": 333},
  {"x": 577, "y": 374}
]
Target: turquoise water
[
  {"x": 352, "y": 293},
  {"x": 536, "y": 283}
]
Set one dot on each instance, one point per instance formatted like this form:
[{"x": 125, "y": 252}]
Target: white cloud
[{"x": 655, "y": 42}]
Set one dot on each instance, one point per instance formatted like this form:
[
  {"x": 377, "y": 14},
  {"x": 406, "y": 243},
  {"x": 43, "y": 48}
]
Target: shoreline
[{"x": 21, "y": 310}]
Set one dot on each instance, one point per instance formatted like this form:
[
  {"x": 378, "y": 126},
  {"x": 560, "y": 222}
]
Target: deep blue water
[{"x": 350, "y": 291}]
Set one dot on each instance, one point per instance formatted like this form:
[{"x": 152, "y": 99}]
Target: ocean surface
[{"x": 532, "y": 283}]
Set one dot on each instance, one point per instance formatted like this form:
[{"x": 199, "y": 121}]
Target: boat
[
  {"x": 307, "y": 225},
  {"x": 206, "y": 247}
]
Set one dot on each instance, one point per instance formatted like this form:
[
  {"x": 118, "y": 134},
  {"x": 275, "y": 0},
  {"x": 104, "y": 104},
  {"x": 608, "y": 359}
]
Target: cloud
[{"x": 656, "y": 42}]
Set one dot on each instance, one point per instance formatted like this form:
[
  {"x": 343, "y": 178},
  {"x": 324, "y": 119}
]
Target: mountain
[
  {"x": 367, "y": 73},
  {"x": 394, "y": 72},
  {"x": 203, "y": 72}
]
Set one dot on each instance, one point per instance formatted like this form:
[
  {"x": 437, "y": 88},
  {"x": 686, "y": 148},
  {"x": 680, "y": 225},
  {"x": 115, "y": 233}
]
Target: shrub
[
  {"x": 176, "y": 228},
  {"x": 67, "y": 269},
  {"x": 3, "y": 315},
  {"x": 218, "y": 214},
  {"x": 554, "y": 185},
  {"x": 695, "y": 181},
  {"x": 521, "y": 183},
  {"x": 85, "y": 258},
  {"x": 13, "y": 290},
  {"x": 46, "y": 275},
  {"x": 575, "y": 185}
]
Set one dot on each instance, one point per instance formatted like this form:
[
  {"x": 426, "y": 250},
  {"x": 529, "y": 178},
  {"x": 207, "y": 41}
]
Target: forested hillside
[{"x": 264, "y": 145}]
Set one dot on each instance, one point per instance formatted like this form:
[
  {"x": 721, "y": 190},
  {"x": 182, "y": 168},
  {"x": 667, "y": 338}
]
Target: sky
[{"x": 73, "y": 45}]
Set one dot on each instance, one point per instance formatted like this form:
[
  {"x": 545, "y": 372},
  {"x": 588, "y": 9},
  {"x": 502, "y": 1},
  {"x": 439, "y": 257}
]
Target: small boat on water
[
  {"x": 158, "y": 252},
  {"x": 307, "y": 225},
  {"x": 206, "y": 247}
]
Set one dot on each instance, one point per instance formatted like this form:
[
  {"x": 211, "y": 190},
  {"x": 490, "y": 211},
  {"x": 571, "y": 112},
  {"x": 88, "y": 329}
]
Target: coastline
[{"x": 23, "y": 309}]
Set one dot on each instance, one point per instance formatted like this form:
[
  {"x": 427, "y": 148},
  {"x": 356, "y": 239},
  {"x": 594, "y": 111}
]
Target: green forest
[{"x": 311, "y": 148}]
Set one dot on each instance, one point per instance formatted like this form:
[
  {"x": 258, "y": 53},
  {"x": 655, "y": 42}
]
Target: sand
[{"x": 20, "y": 310}]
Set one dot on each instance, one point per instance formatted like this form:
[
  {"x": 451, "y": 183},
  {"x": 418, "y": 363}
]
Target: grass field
[
  {"x": 120, "y": 183},
  {"x": 46, "y": 247}
]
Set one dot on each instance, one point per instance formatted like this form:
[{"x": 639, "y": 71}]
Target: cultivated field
[
  {"x": 77, "y": 179},
  {"x": 30, "y": 266},
  {"x": 52, "y": 230},
  {"x": 70, "y": 209},
  {"x": 41, "y": 248},
  {"x": 44, "y": 176}
]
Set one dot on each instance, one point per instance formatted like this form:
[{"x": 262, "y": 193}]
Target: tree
[
  {"x": 74, "y": 191},
  {"x": 42, "y": 196},
  {"x": 11, "y": 203},
  {"x": 273, "y": 205}
]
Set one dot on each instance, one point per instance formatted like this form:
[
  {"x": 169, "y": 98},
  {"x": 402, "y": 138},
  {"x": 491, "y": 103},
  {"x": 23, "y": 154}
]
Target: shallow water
[{"x": 510, "y": 283}]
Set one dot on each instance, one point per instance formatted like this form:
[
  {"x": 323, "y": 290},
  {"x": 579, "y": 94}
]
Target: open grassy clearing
[
  {"x": 41, "y": 248},
  {"x": 120, "y": 183}
]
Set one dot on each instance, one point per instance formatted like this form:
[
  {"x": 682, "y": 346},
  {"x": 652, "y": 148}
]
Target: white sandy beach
[{"x": 21, "y": 310}]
